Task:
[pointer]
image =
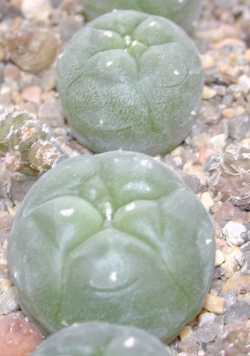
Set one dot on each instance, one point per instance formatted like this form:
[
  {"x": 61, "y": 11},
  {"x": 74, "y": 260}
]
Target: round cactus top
[
  {"x": 130, "y": 80},
  {"x": 115, "y": 237},
  {"x": 183, "y": 12},
  {"x": 103, "y": 339}
]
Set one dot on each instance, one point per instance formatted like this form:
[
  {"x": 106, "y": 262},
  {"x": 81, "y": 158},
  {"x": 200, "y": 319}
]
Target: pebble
[
  {"x": 208, "y": 332},
  {"x": 207, "y": 61},
  {"x": 11, "y": 72},
  {"x": 39, "y": 10},
  {"x": 32, "y": 48},
  {"x": 8, "y": 300},
  {"x": 226, "y": 211},
  {"x": 32, "y": 94},
  {"x": 18, "y": 337},
  {"x": 207, "y": 200},
  {"x": 214, "y": 304},
  {"x": 208, "y": 93},
  {"x": 246, "y": 252},
  {"x": 219, "y": 258},
  {"x": 244, "y": 82},
  {"x": 1, "y": 73},
  {"x": 236, "y": 339},
  {"x": 5, "y": 222},
  {"x": 195, "y": 170},
  {"x": 218, "y": 34},
  {"x": 51, "y": 113},
  {"x": 69, "y": 26},
  {"x": 239, "y": 283},
  {"x": 206, "y": 317},
  {"x": 56, "y": 3},
  {"x": 239, "y": 127},
  {"x": 247, "y": 55},
  {"x": 234, "y": 260},
  {"x": 192, "y": 182},
  {"x": 238, "y": 312},
  {"x": 235, "y": 233},
  {"x": 2, "y": 53},
  {"x": 233, "y": 112},
  {"x": 186, "y": 333},
  {"x": 219, "y": 142},
  {"x": 210, "y": 112}
]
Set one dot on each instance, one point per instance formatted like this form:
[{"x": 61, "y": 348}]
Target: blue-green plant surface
[
  {"x": 92, "y": 339},
  {"x": 183, "y": 12},
  {"x": 115, "y": 237},
  {"x": 130, "y": 80}
]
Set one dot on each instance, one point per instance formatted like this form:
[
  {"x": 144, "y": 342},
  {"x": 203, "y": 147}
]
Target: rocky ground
[{"x": 214, "y": 160}]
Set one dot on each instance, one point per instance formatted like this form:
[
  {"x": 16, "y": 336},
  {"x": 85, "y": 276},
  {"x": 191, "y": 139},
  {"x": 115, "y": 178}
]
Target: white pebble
[
  {"x": 36, "y": 10},
  {"x": 234, "y": 233}
]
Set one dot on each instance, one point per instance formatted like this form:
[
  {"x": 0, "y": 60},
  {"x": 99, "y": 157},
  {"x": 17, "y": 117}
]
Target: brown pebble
[
  {"x": 207, "y": 200},
  {"x": 11, "y": 72},
  {"x": 5, "y": 221},
  {"x": 232, "y": 42},
  {"x": 2, "y": 54},
  {"x": 32, "y": 94},
  {"x": 32, "y": 48},
  {"x": 186, "y": 332},
  {"x": 207, "y": 61},
  {"x": 18, "y": 337},
  {"x": 208, "y": 93},
  {"x": 233, "y": 112},
  {"x": 247, "y": 55},
  {"x": 39, "y": 10},
  {"x": 238, "y": 283},
  {"x": 219, "y": 258},
  {"x": 214, "y": 304},
  {"x": 218, "y": 34}
]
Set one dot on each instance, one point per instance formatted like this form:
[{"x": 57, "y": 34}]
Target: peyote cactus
[
  {"x": 102, "y": 339},
  {"x": 130, "y": 80},
  {"x": 115, "y": 237},
  {"x": 23, "y": 135},
  {"x": 183, "y": 12}
]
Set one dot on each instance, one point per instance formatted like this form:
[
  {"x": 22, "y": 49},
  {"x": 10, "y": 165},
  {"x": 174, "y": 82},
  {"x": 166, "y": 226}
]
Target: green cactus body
[
  {"x": 92, "y": 339},
  {"x": 183, "y": 12},
  {"x": 130, "y": 80},
  {"x": 115, "y": 237}
]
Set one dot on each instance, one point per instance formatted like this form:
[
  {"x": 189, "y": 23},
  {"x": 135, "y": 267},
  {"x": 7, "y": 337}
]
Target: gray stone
[
  {"x": 238, "y": 312},
  {"x": 239, "y": 127},
  {"x": 235, "y": 233},
  {"x": 69, "y": 26},
  {"x": 51, "y": 113},
  {"x": 208, "y": 332},
  {"x": 8, "y": 301}
]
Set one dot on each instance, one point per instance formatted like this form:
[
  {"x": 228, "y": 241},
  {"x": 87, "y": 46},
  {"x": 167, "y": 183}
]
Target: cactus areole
[
  {"x": 130, "y": 80},
  {"x": 115, "y": 237}
]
